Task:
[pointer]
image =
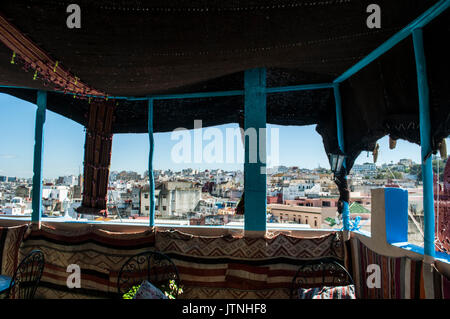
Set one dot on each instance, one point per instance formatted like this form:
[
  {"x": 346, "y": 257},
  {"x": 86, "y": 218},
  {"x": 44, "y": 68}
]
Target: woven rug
[
  {"x": 240, "y": 267},
  {"x": 99, "y": 253},
  {"x": 209, "y": 267},
  {"x": 401, "y": 277},
  {"x": 10, "y": 240},
  {"x": 280, "y": 245},
  {"x": 441, "y": 285}
]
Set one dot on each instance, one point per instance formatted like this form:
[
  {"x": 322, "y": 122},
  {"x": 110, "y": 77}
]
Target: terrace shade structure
[{"x": 286, "y": 63}]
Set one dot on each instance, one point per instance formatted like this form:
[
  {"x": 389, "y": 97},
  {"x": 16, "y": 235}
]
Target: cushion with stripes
[{"x": 338, "y": 292}]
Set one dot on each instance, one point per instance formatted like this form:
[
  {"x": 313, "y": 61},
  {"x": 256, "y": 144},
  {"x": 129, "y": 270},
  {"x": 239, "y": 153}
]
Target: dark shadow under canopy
[{"x": 137, "y": 48}]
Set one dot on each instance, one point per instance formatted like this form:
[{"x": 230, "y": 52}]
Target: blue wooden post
[
  {"x": 38, "y": 152},
  {"x": 255, "y": 186},
  {"x": 425, "y": 142},
  {"x": 340, "y": 135},
  {"x": 151, "y": 178}
]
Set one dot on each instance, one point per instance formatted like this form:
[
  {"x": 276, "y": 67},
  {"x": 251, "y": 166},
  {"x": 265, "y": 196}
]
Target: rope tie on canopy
[{"x": 43, "y": 65}]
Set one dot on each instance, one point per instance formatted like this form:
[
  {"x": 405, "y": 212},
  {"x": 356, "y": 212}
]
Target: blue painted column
[
  {"x": 151, "y": 178},
  {"x": 38, "y": 152},
  {"x": 255, "y": 186},
  {"x": 340, "y": 135},
  {"x": 425, "y": 143}
]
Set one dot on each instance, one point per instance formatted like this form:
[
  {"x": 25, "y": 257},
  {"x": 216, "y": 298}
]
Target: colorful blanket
[
  {"x": 209, "y": 267},
  {"x": 98, "y": 253},
  {"x": 239, "y": 267},
  {"x": 401, "y": 277},
  {"x": 10, "y": 241},
  {"x": 441, "y": 285}
]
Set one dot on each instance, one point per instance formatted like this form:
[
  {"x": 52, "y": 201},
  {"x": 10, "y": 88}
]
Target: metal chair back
[
  {"x": 320, "y": 273},
  {"x": 153, "y": 266},
  {"x": 27, "y": 276}
]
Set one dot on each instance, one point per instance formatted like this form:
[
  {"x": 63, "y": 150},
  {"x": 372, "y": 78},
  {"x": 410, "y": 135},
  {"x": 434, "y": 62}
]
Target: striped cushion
[{"x": 338, "y": 292}]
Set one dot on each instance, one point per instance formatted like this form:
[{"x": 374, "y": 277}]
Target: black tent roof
[{"x": 137, "y": 48}]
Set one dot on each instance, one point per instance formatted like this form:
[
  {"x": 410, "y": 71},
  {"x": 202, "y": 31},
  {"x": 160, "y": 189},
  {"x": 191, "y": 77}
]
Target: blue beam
[
  {"x": 303, "y": 87},
  {"x": 38, "y": 152},
  {"x": 425, "y": 143},
  {"x": 197, "y": 95},
  {"x": 420, "y": 22},
  {"x": 255, "y": 186},
  {"x": 151, "y": 178},
  {"x": 341, "y": 142},
  {"x": 339, "y": 119}
]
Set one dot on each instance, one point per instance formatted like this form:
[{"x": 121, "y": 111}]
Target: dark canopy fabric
[{"x": 136, "y": 48}]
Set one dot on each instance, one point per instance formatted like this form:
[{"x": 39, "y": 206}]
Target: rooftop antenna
[{"x": 393, "y": 176}]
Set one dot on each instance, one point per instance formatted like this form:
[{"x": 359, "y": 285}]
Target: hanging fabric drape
[{"x": 97, "y": 158}]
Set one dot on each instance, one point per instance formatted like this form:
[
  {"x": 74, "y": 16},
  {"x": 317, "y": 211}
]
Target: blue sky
[{"x": 64, "y": 146}]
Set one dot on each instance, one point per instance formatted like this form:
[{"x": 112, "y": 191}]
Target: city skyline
[{"x": 64, "y": 146}]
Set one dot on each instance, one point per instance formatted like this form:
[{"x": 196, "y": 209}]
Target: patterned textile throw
[
  {"x": 243, "y": 268},
  {"x": 99, "y": 253},
  {"x": 401, "y": 277},
  {"x": 209, "y": 267},
  {"x": 148, "y": 291},
  {"x": 338, "y": 292},
  {"x": 10, "y": 240},
  {"x": 441, "y": 285},
  {"x": 280, "y": 245}
]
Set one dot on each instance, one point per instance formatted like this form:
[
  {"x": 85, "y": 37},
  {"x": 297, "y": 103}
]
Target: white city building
[
  {"x": 59, "y": 192},
  {"x": 70, "y": 180},
  {"x": 296, "y": 190}
]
